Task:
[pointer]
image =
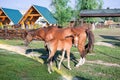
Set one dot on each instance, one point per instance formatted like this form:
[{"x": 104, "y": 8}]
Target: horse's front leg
[
  {"x": 81, "y": 61},
  {"x": 63, "y": 54},
  {"x": 82, "y": 58}
]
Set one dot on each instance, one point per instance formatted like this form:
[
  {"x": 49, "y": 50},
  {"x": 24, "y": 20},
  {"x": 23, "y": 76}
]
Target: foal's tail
[{"x": 90, "y": 45}]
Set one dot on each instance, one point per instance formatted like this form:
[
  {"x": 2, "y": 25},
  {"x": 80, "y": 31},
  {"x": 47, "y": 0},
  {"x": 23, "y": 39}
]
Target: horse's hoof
[
  {"x": 49, "y": 71},
  {"x": 52, "y": 70},
  {"x": 58, "y": 68},
  {"x": 69, "y": 68},
  {"x": 77, "y": 66}
]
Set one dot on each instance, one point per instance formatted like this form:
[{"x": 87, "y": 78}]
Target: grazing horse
[
  {"x": 60, "y": 39},
  {"x": 53, "y": 43},
  {"x": 80, "y": 37},
  {"x": 36, "y": 34}
]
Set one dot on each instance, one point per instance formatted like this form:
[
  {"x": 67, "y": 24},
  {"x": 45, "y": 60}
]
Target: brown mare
[
  {"x": 60, "y": 39},
  {"x": 54, "y": 41}
]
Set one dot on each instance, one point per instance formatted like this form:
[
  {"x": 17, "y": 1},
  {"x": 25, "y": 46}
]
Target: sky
[{"x": 24, "y": 5}]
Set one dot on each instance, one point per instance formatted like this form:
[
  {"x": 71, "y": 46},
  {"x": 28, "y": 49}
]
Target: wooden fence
[{"x": 12, "y": 34}]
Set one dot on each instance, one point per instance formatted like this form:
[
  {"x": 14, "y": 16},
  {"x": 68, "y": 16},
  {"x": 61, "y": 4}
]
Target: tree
[{"x": 61, "y": 11}]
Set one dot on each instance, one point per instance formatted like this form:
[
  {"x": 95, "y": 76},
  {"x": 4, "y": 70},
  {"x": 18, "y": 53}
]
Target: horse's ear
[{"x": 73, "y": 30}]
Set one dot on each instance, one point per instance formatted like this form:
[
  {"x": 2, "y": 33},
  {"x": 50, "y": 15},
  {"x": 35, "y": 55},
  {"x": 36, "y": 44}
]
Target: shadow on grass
[
  {"x": 44, "y": 55},
  {"x": 117, "y": 38},
  {"x": 111, "y": 37},
  {"x": 43, "y": 51},
  {"x": 79, "y": 78},
  {"x": 116, "y": 43},
  {"x": 72, "y": 58},
  {"x": 108, "y": 55}
]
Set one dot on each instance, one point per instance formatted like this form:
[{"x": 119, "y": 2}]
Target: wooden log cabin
[
  {"x": 33, "y": 13},
  {"x": 8, "y": 16},
  {"x": 13, "y": 16}
]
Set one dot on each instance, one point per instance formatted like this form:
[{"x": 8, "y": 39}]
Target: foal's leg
[
  {"x": 68, "y": 57},
  {"x": 82, "y": 59},
  {"x": 63, "y": 54},
  {"x": 50, "y": 58}
]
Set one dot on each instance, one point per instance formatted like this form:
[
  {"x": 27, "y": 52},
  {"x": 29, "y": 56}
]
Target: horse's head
[
  {"x": 78, "y": 32},
  {"x": 28, "y": 38}
]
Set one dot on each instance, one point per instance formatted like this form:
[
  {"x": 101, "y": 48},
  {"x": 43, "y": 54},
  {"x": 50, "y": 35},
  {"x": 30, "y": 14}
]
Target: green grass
[
  {"x": 106, "y": 34},
  {"x": 17, "y": 67},
  {"x": 106, "y": 54},
  {"x": 93, "y": 71},
  {"x": 33, "y": 44},
  {"x": 12, "y": 42}
]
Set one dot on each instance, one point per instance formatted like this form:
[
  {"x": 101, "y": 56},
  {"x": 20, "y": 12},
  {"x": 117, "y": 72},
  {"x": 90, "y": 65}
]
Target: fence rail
[{"x": 12, "y": 34}]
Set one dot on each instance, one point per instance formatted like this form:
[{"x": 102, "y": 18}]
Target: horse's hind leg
[
  {"x": 50, "y": 58},
  {"x": 63, "y": 54}
]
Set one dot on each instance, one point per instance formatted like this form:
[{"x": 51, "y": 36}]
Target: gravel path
[{"x": 21, "y": 51}]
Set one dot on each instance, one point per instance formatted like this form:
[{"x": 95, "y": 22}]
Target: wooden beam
[
  {"x": 3, "y": 16},
  {"x": 3, "y": 19},
  {"x": 1, "y": 12},
  {"x": 26, "y": 15},
  {"x": 34, "y": 15},
  {"x": 31, "y": 17}
]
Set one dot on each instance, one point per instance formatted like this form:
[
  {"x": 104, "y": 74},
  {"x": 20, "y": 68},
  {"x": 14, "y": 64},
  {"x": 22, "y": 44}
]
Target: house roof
[
  {"x": 35, "y": 11},
  {"x": 100, "y": 13},
  {"x": 12, "y": 14},
  {"x": 46, "y": 14}
]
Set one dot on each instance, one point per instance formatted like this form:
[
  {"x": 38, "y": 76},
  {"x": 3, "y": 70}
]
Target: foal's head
[{"x": 76, "y": 40}]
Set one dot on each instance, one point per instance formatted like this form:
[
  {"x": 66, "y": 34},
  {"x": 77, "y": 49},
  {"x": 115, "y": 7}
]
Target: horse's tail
[{"x": 90, "y": 45}]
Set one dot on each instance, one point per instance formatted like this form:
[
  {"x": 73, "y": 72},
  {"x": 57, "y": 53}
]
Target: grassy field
[{"x": 102, "y": 64}]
